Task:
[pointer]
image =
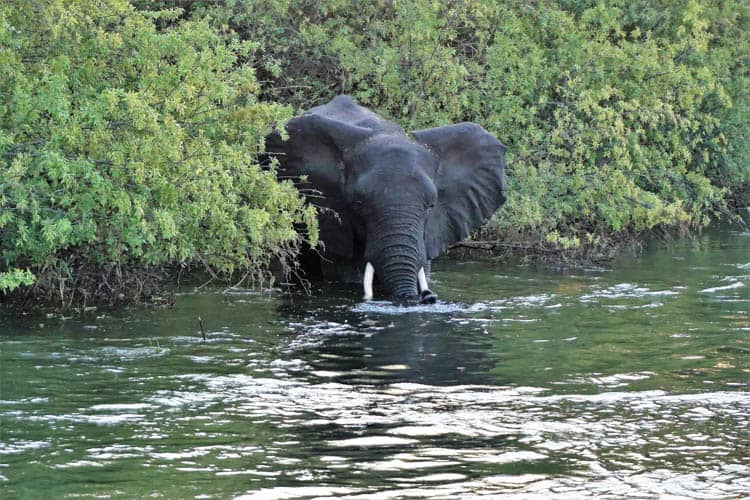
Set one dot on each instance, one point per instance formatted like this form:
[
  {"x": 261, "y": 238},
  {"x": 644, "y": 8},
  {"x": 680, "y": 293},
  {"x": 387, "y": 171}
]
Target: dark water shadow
[{"x": 350, "y": 341}]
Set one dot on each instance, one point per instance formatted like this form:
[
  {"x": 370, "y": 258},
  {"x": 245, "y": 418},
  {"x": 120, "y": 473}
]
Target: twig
[
  {"x": 242, "y": 279},
  {"x": 203, "y": 330}
]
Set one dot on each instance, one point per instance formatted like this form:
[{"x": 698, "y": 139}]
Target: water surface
[{"x": 626, "y": 380}]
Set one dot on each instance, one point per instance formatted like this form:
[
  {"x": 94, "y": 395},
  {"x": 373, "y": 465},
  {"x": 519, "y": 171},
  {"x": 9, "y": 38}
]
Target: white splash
[{"x": 737, "y": 284}]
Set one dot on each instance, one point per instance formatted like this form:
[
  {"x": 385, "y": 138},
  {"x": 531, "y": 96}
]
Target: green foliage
[
  {"x": 129, "y": 137},
  {"x": 14, "y": 278},
  {"x": 123, "y": 142},
  {"x": 619, "y": 116}
]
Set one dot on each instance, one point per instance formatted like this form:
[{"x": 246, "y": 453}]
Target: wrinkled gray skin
[{"x": 394, "y": 201}]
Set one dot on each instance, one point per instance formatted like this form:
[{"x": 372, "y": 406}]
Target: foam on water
[
  {"x": 389, "y": 308},
  {"x": 613, "y": 381},
  {"x": 737, "y": 284},
  {"x": 440, "y": 307},
  {"x": 20, "y": 446},
  {"x": 133, "y": 353},
  {"x": 625, "y": 290}
]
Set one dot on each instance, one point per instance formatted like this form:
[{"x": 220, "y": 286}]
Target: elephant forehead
[
  {"x": 397, "y": 184},
  {"x": 394, "y": 154}
]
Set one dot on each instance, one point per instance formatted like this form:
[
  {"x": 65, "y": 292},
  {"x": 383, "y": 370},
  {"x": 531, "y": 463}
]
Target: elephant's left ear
[{"x": 469, "y": 180}]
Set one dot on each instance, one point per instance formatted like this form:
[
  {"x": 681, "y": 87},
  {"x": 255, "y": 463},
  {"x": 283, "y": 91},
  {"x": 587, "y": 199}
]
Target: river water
[{"x": 630, "y": 380}]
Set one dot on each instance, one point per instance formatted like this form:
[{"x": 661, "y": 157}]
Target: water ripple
[{"x": 520, "y": 383}]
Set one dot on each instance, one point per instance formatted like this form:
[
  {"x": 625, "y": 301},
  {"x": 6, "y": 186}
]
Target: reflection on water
[{"x": 619, "y": 382}]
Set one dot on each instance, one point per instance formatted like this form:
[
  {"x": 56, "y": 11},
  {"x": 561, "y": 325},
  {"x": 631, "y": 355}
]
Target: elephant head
[{"x": 389, "y": 203}]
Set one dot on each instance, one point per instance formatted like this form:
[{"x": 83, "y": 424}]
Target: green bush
[
  {"x": 129, "y": 133},
  {"x": 130, "y": 145},
  {"x": 620, "y": 116}
]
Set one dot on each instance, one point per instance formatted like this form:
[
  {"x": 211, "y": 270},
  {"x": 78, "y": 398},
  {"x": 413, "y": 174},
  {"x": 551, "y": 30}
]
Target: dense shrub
[
  {"x": 124, "y": 146},
  {"x": 620, "y": 116},
  {"x": 128, "y": 135}
]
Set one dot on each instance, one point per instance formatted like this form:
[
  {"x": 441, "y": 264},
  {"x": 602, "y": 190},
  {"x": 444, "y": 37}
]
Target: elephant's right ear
[{"x": 314, "y": 150}]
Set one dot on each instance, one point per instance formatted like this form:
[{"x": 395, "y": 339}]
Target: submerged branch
[{"x": 493, "y": 245}]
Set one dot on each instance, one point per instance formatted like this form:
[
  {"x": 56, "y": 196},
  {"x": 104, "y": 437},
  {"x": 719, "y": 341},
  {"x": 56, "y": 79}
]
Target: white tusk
[
  {"x": 367, "y": 281},
  {"x": 422, "y": 280}
]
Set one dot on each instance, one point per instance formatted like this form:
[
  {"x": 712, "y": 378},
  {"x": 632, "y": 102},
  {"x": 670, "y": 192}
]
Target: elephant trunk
[
  {"x": 398, "y": 255},
  {"x": 398, "y": 275}
]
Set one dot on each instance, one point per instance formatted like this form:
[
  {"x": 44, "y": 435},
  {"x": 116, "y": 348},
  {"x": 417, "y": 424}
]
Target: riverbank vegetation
[
  {"x": 129, "y": 132},
  {"x": 128, "y": 142}
]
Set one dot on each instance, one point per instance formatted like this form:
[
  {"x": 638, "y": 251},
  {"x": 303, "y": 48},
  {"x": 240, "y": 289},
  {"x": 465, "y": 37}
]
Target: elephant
[{"x": 388, "y": 204}]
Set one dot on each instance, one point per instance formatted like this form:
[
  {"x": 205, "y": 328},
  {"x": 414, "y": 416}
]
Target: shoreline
[{"x": 156, "y": 286}]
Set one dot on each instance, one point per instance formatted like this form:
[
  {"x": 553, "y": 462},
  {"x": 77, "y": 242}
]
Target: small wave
[
  {"x": 313, "y": 332},
  {"x": 201, "y": 359},
  {"x": 21, "y": 446},
  {"x": 625, "y": 291},
  {"x": 408, "y": 464},
  {"x": 78, "y": 463},
  {"x": 389, "y": 308},
  {"x": 616, "y": 380},
  {"x": 237, "y": 291},
  {"x": 133, "y": 353},
  {"x": 741, "y": 277},
  {"x": 519, "y": 301},
  {"x": 110, "y": 420},
  {"x": 650, "y": 305},
  {"x": 118, "y": 451},
  {"x": 385, "y": 307},
  {"x": 507, "y": 458},
  {"x": 212, "y": 337},
  {"x": 292, "y": 365},
  {"x": 370, "y": 441},
  {"x": 299, "y": 492},
  {"x": 737, "y": 284},
  {"x": 122, "y": 406},
  {"x": 23, "y": 401}
]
